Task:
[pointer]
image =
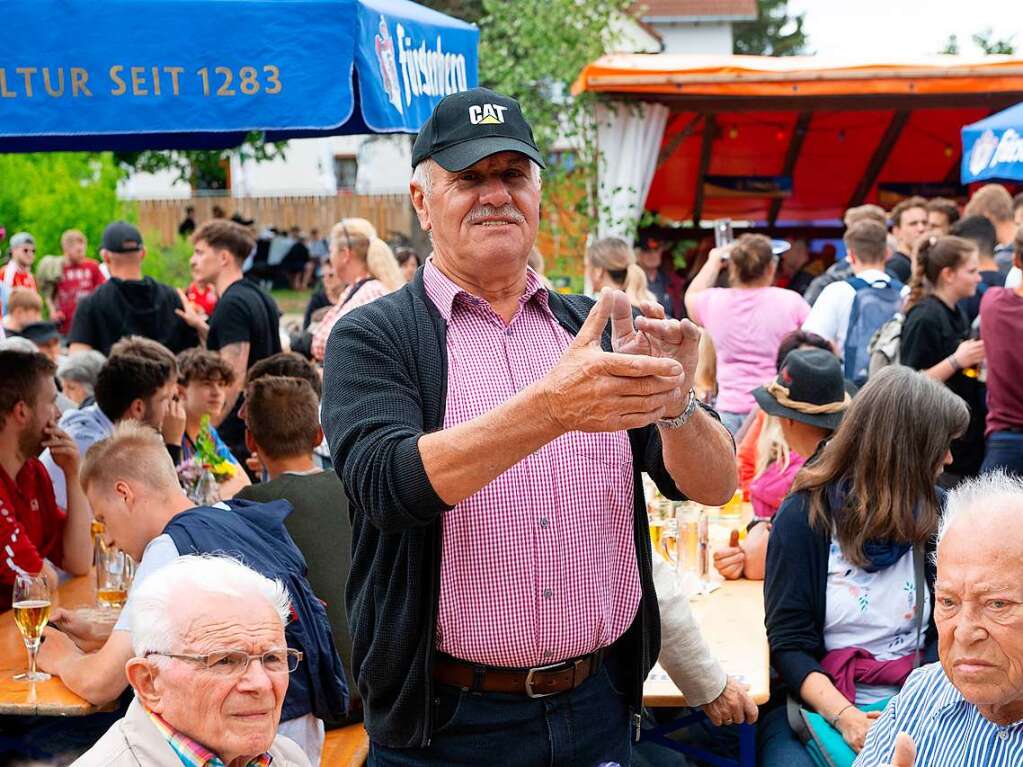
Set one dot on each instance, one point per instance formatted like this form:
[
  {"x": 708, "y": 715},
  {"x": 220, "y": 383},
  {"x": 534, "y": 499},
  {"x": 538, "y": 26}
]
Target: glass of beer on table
[
  {"x": 31, "y": 605},
  {"x": 114, "y": 573}
]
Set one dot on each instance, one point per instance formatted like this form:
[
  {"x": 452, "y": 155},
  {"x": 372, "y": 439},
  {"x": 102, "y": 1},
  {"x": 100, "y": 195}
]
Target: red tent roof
[{"x": 838, "y": 130}]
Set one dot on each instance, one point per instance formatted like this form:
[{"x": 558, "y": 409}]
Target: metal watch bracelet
[{"x": 681, "y": 419}]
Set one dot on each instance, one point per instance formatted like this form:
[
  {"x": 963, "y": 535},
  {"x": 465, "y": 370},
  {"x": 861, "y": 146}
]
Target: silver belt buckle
[{"x": 529, "y": 679}]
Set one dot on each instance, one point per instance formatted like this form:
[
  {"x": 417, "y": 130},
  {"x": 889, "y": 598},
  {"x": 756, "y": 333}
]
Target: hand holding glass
[{"x": 31, "y": 613}]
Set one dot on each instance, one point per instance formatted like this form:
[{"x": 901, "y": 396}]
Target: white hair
[
  {"x": 422, "y": 174},
  {"x": 152, "y": 603},
  {"x": 82, "y": 367},
  {"x": 979, "y": 495},
  {"x": 18, "y": 344}
]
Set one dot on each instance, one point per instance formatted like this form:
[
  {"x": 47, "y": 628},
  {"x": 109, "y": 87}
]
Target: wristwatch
[{"x": 681, "y": 419}]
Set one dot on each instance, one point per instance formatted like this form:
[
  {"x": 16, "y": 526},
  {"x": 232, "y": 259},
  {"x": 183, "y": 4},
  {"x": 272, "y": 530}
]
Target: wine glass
[{"x": 31, "y": 613}]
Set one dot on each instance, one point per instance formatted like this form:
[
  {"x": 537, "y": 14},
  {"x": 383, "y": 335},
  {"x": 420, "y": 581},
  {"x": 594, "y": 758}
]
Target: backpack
[
  {"x": 875, "y": 303},
  {"x": 883, "y": 349}
]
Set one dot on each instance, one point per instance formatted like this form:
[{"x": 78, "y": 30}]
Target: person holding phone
[{"x": 746, "y": 321}]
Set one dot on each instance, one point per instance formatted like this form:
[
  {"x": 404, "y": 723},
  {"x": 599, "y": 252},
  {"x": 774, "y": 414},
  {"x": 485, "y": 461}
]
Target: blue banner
[
  {"x": 407, "y": 59},
  {"x": 134, "y": 74},
  {"x": 993, "y": 147}
]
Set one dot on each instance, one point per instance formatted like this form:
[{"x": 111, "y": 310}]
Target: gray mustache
[{"x": 482, "y": 212}]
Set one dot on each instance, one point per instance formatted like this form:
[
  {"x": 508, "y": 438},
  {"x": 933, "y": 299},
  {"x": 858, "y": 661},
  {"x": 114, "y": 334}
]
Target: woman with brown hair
[
  {"x": 844, "y": 561},
  {"x": 746, "y": 321},
  {"x": 936, "y": 338}
]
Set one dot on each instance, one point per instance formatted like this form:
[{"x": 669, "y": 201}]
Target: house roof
[{"x": 696, "y": 10}]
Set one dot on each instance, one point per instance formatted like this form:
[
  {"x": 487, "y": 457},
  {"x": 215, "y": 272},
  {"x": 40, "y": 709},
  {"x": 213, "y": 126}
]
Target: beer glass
[
  {"x": 114, "y": 573},
  {"x": 31, "y": 613}
]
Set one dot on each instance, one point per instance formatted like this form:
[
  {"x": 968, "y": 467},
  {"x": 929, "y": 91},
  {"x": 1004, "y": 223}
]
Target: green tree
[
  {"x": 774, "y": 33},
  {"x": 951, "y": 46},
  {"x": 466, "y": 10},
  {"x": 201, "y": 165},
  {"x": 533, "y": 50},
  {"x": 987, "y": 42},
  {"x": 47, "y": 193}
]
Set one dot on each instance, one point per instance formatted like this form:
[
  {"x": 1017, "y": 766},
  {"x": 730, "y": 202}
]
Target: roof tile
[{"x": 695, "y": 8}]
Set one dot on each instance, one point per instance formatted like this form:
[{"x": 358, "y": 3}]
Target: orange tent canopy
[{"x": 838, "y": 129}]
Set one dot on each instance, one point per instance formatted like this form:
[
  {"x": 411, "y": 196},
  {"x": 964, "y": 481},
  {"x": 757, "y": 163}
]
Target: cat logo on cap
[{"x": 486, "y": 114}]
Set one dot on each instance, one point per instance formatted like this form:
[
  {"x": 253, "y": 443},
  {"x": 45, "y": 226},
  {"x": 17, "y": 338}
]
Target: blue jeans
[
  {"x": 586, "y": 727},
  {"x": 778, "y": 745},
  {"x": 732, "y": 421},
  {"x": 1004, "y": 451}
]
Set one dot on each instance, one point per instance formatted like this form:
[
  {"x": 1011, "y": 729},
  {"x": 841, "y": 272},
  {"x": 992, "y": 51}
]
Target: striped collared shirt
[
  {"x": 193, "y": 754},
  {"x": 540, "y": 564},
  {"x": 948, "y": 730}
]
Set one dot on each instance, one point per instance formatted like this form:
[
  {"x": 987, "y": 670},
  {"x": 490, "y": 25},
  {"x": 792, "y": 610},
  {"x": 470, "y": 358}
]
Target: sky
[{"x": 871, "y": 28}]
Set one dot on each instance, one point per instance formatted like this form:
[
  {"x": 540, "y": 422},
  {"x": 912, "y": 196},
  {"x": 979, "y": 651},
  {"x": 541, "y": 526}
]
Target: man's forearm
[
  {"x": 77, "y": 530},
  {"x": 87, "y": 675},
  {"x": 463, "y": 459},
  {"x": 700, "y": 456}
]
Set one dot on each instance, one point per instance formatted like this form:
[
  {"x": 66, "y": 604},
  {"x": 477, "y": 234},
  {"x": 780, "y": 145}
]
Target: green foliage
[
  {"x": 48, "y": 193},
  {"x": 774, "y": 33},
  {"x": 533, "y": 50},
  {"x": 201, "y": 165},
  {"x": 951, "y": 45},
  {"x": 986, "y": 41},
  {"x": 168, "y": 264},
  {"x": 466, "y": 10}
]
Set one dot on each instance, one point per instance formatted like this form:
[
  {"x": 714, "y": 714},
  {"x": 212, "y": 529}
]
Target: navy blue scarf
[{"x": 880, "y": 554}]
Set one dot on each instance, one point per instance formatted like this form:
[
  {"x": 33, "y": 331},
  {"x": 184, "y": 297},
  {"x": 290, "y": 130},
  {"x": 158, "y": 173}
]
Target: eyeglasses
[{"x": 236, "y": 662}]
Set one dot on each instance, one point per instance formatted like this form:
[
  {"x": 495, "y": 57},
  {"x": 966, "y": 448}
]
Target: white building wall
[
  {"x": 695, "y": 37},
  {"x": 306, "y": 169}
]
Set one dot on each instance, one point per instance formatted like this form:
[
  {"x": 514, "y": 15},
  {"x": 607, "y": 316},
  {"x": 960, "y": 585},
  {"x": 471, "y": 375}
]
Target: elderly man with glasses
[
  {"x": 210, "y": 670},
  {"x": 133, "y": 490}
]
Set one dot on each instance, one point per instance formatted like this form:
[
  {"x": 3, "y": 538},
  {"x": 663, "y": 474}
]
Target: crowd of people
[{"x": 424, "y": 509}]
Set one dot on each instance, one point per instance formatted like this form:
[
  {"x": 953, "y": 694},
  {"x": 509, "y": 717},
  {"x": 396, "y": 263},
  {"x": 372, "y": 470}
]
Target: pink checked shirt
[
  {"x": 369, "y": 291},
  {"x": 540, "y": 565}
]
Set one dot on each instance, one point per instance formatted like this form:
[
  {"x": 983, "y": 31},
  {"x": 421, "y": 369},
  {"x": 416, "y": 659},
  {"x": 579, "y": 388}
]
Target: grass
[{"x": 291, "y": 301}]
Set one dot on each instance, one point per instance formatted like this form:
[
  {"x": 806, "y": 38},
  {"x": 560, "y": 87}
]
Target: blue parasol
[
  {"x": 128, "y": 75},
  {"x": 993, "y": 147}
]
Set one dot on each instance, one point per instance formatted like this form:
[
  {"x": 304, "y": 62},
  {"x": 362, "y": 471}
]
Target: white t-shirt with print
[{"x": 872, "y": 611}]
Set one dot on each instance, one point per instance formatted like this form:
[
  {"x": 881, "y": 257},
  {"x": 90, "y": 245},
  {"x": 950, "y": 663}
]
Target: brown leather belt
[{"x": 536, "y": 682}]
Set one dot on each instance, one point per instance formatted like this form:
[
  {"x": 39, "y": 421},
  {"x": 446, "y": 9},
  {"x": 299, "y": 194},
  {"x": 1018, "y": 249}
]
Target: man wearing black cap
[
  {"x": 491, "y": 443},
  {"x": 128, "y": 303}
]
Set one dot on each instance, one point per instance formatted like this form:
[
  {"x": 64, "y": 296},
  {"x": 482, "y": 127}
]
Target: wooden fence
[{"x": 390, "y": 214}]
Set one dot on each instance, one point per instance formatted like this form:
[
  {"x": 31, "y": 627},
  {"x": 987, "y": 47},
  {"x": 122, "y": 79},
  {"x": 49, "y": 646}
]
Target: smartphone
[{"x": 723, "y": 233}]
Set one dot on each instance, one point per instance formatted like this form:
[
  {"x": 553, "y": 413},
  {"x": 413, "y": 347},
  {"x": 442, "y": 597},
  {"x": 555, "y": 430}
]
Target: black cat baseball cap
[{"x": 468, "y": 126}]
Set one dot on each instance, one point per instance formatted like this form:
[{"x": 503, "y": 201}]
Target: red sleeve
[
  {"x": 18, "y": 549},
  {"x": 97, "y": 274},
  {"x": 41, "y": 537},
  {"x": 747, "y": 453}
]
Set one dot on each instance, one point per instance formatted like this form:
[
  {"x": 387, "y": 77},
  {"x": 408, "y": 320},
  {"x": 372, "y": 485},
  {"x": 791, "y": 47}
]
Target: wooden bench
[{"x": 346, "y": 747}]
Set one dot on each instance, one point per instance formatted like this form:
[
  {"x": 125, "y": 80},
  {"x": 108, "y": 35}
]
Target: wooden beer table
[
  {"x": 49, "y": 698},
  {"x": 731, "y": 619}
]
